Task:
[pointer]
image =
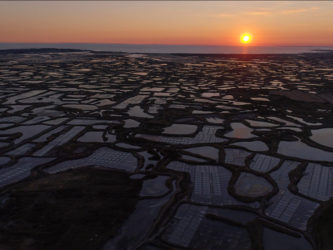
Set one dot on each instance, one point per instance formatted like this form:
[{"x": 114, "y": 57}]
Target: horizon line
[{"x": 173, "y": 44}]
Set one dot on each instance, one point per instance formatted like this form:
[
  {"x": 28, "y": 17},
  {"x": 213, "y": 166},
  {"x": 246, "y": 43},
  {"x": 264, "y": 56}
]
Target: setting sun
[{"x": 246, "y": 38}]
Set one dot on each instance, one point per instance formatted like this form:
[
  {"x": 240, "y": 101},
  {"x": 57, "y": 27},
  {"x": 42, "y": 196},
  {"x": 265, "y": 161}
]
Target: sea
[{"x": 174, "y": 49}]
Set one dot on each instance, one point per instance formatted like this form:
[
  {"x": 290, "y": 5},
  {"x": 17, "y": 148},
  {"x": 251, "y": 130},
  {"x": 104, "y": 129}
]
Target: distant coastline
[
  {"x": 39, "y": 50},
  {"x": 167, "y": 49}
]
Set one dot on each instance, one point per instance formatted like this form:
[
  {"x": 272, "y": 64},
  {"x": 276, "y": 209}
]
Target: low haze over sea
[{"x": 156, "y": 48}]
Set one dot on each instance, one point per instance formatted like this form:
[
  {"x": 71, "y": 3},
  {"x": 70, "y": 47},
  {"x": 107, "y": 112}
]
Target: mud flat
[{"x": 104, "y": 150}]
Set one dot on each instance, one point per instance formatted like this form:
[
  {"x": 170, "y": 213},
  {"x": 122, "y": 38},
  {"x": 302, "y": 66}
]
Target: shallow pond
[
  {"x": 154, "y": 187},
  {"x": 137, "y": 111},
  {"x": 254, "y": 123},
  {"x": 303, "y": 151},
  {"x": 180, "y": 129},
  {"x": 323, "y": 136},
  {"x": 257, "y": 146},
  {"x": 240, "y": 131},
  {"x": 206, "y": 151},
  {"x": 274, "y": 240},
  {"x": 253, "y": 186},
  {"x": 84, "y": 107},
  {"x": 130, "y": 123}
]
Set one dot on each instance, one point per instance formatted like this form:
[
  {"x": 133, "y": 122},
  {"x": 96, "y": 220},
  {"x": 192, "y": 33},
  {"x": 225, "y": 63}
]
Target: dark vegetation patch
[
  {"x": 77, "y": 209},
  {"x": 323, "y": 228}
]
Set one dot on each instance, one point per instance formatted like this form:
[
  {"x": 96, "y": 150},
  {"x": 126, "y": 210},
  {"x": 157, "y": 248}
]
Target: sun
[{"x": 246, "y": 38}]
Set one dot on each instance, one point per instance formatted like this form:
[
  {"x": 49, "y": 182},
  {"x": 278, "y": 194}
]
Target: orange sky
[{"x": 206, "y": 23}]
